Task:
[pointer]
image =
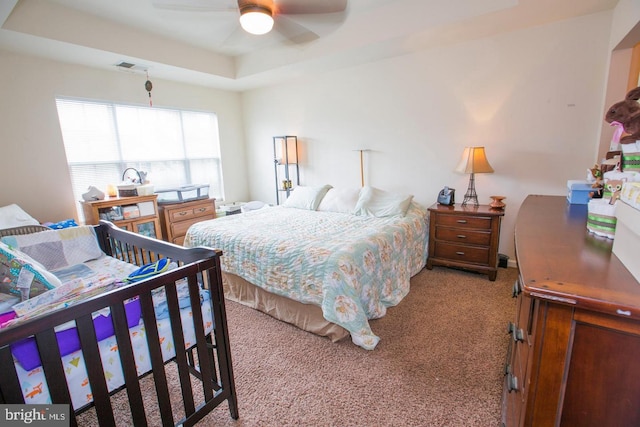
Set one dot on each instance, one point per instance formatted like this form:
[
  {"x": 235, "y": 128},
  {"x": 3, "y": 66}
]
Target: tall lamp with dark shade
[{"x": 473, "y": 161}]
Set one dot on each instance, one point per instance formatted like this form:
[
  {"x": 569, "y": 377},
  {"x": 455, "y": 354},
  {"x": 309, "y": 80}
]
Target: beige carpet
[{"x": 439, "y": 362}]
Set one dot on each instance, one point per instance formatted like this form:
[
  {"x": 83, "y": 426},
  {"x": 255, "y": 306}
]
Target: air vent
[
  {"x": 131, "y": 68},
  {"x": 125, "y": 65}
]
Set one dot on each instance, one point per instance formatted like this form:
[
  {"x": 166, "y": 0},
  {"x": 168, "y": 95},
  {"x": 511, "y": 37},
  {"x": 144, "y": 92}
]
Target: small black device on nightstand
[{"x": 446, "y": 196}]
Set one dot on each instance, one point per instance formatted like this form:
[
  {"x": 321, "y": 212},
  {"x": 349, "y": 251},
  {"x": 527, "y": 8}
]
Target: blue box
[{"x": 578, "y": 192}]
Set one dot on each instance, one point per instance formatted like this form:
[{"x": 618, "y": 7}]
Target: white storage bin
[{"x": 186, "y": 193}]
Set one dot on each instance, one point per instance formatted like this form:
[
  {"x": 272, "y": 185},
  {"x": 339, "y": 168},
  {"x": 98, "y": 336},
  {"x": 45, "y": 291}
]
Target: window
[{"x": 174, "y": 147}]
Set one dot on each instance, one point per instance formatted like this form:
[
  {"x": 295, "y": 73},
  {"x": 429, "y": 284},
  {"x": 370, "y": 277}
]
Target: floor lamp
[{"x": 362, "y": 150}]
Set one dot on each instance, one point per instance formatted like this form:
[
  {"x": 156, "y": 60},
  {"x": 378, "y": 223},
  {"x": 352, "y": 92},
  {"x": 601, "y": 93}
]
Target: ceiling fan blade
[
  {"x": 197, "y": 5},
  {"x": 298, "y": 7},
  {"x": 293, "y": 31}
]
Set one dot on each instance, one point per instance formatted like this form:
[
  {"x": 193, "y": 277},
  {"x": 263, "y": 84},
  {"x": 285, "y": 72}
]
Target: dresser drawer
[
  {"x": 180, "y": 228},
  {"x": 462, "y": 221},
  {"x": 178, "y": 240},
  {"x": 471, "y": 254},
  {"x": 465, "y": 236},
  {"x": 184, "y": 214}
]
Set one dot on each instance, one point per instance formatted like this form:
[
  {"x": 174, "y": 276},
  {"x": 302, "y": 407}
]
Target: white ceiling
[{"x": 208, "y": 48}]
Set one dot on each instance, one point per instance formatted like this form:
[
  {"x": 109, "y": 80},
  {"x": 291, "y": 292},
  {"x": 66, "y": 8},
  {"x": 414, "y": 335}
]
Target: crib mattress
[{"x": 34, "y": 384}]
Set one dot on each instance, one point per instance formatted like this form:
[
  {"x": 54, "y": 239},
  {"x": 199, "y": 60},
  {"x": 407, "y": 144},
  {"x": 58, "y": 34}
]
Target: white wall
[
  {"x": 626, "y": 16},
  {"x": 533, "y": 98},
  {"x": 625, "y": 33},
  {"x": 34, "y": 171}
]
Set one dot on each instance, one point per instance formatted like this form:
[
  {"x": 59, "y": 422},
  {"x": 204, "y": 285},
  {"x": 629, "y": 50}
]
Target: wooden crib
[{"x": 204, "y": 368}]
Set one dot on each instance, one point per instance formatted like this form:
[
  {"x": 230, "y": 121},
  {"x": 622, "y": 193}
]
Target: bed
[
  {"x": 327, "y": 260},
  {"x": 108, "y": 324}
]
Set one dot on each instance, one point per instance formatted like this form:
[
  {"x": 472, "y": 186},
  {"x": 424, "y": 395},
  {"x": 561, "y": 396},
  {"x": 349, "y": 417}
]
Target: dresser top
[{"x": 560, "y": 260}]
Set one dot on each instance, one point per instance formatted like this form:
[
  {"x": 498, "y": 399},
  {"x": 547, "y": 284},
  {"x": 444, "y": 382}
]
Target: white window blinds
[{"x": 175, "y": 147}]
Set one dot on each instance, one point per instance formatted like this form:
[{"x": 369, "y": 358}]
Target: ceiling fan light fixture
[{"x": 256, "y": 19}]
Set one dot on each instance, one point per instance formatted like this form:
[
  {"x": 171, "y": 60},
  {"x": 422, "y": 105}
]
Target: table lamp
[{"x": 473, "y": 161}]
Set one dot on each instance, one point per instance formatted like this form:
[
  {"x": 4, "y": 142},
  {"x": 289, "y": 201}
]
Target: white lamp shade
[
  {"x": 474, "y": 160},
  {"x": 256, "y": 20},
  {"x": 288, "y": 152}
]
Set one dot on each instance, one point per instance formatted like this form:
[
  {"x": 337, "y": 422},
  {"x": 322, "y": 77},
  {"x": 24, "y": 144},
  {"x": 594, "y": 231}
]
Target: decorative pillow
[
  {"x": 380, "y": 203},
  {"x": 14, "y": 216},
  {"x": 57, "y": 249},
  {"x": 62, "y": 224},
  {"x": 18, "y": 270},
  {"x": 340, "y": 200},
  {"x": 306, "y": 197}
]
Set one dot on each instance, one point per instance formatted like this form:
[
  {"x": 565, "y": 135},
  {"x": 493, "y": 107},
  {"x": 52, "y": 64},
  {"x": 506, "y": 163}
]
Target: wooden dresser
[
  {"x": 465, "y": 237},
  {"x": 573, "y": 356},
  {"x": 137, "y": 213},
  {"x": 176, "y": 218}
]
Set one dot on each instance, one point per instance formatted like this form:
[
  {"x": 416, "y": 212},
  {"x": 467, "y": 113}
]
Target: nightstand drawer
[
  {"x": 465, "y": 236},
  {"x": 475, "y": 222},
  {"x": 455, "y": 252}
]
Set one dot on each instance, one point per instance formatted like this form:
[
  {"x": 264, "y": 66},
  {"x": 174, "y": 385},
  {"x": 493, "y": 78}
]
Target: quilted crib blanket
[{"x": 353, "y": 267}]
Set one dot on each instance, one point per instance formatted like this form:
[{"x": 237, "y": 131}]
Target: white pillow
[
  {"x": 306, "y": 197},
  {"x": 380, "y": 203},
  {"x": 340, "y": 200},
  {"x": 14, "y": 216}
]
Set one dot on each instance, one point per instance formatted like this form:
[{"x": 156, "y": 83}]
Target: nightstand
[
  {"x": 176, "y": 218},
  {"x": 465, "y": 237}
]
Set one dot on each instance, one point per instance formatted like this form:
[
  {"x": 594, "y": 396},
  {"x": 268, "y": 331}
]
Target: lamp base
[
  {"x": 470, "y": 199},
  {"x": 470, "y": 195}
]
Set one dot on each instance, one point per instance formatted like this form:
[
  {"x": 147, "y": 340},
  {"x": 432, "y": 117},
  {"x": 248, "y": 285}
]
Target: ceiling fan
[{"x": 259, "y": 17}]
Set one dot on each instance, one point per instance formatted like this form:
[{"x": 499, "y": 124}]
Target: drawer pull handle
[
  {"x": 202, "y": 209},
  {"x": 183, "y": 213},
  {"x": 517, "y": 334},
  {"x": 461, "y": 236},
  {"x": 512, "y": 383},
  {"x": 459, "y": 253},
  {"x": 624, "y": 312},
  {"x": 516, "y": 289},
  {"x": 462, "y": 221}
]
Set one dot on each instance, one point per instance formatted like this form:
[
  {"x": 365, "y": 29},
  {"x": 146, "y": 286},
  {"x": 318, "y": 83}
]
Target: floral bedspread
[{"x": 353, "y": 267}]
